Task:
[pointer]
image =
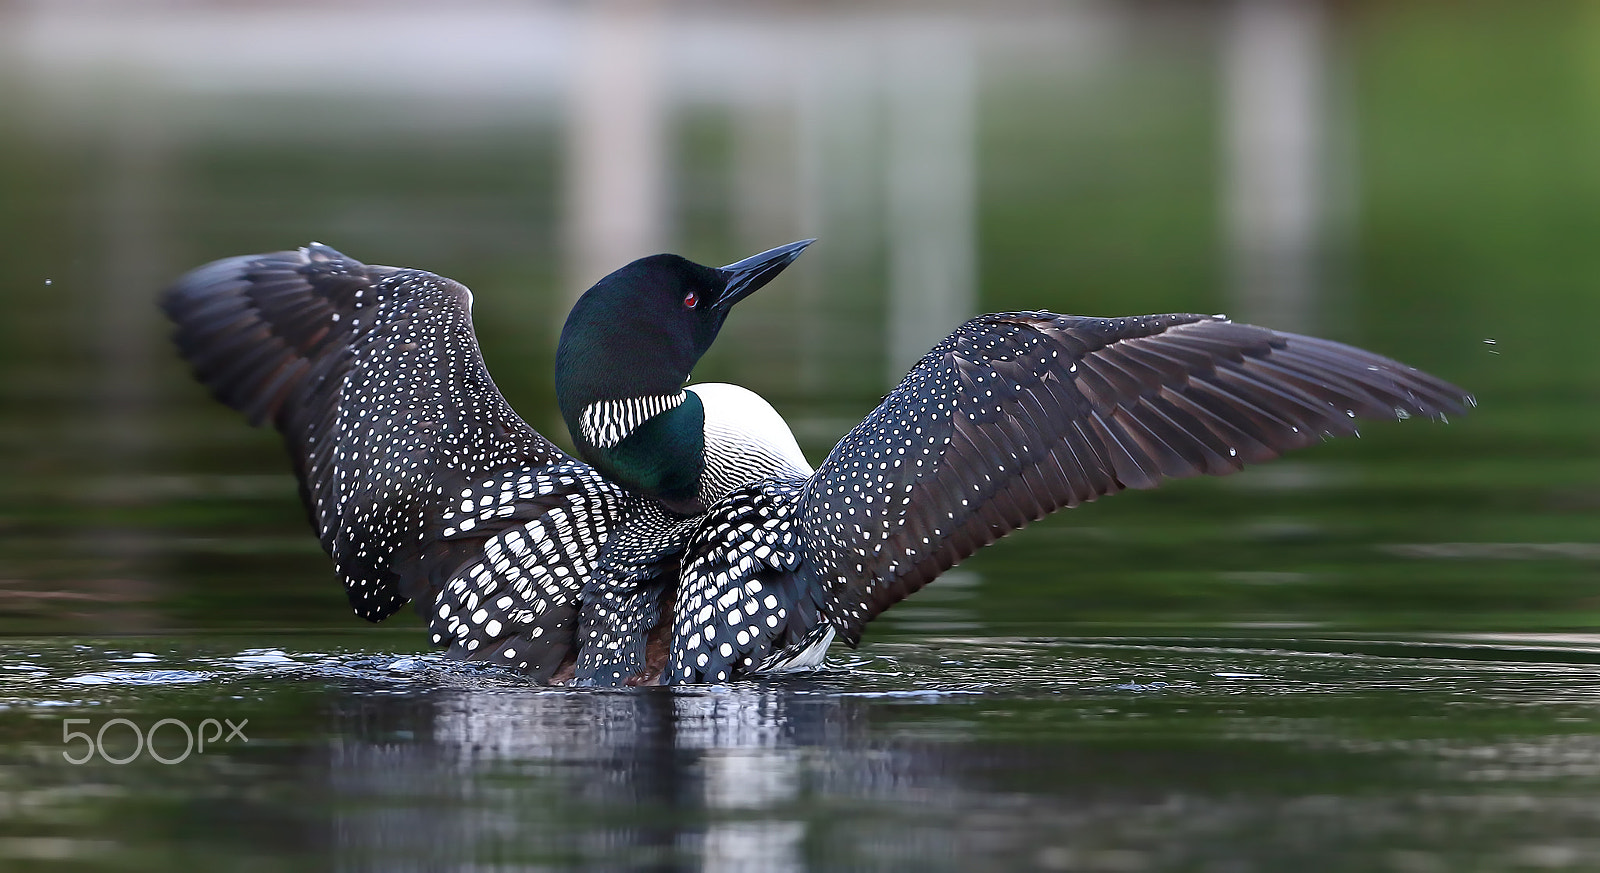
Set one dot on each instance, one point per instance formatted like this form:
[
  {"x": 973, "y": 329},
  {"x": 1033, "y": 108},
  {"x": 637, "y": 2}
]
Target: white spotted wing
[
  {"x": 1014, "y": 416},
  {"x": 420, "y": 480}
]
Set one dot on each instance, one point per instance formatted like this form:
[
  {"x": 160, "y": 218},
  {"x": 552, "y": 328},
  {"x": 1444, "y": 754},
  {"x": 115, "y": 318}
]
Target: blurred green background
[
  {"x": 1376, "y": 654},
  {"x": 1419, "y": 178}
]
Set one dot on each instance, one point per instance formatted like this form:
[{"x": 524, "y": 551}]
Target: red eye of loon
[{"x": 690, "y": 299}]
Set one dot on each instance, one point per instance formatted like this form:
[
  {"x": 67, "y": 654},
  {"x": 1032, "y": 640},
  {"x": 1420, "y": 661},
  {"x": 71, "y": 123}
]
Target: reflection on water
[{"x": 954, "y": 754}]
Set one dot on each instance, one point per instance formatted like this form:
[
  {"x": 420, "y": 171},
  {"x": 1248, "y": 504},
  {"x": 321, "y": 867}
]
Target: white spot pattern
[{"x": 519, "y": 600}]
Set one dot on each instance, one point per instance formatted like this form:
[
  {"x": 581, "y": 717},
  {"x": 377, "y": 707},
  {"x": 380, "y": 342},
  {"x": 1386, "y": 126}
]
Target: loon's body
[{"x": 693, "y": 542}]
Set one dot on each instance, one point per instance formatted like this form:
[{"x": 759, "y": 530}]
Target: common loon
[{"x": 693, "y": 543}]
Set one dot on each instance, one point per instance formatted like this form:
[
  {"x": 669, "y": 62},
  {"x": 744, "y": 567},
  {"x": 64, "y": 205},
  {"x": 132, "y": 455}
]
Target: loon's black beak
[{"x": 747, "y": 276}]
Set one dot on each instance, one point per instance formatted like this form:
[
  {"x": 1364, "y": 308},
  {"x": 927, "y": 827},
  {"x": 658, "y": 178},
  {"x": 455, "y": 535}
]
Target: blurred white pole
[
  {"x": 767, "y": 204},
  {"x": 1276, "y": 136},
  {"x": 616, "y": 171},
  {"x": 839, "y": 171},
  {"x": 931, "y": 180},
  {"x": 739, "y": 780}
]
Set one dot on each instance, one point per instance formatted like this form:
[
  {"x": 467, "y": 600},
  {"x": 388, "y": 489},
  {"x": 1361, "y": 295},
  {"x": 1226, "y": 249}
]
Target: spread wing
[
  {"x": 410, "y": 462},
  {"x": 1014, "y": 416}
]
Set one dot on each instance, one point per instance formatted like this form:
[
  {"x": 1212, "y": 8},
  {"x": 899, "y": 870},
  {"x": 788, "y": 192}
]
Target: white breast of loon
[{"x": 746, "y": 441}]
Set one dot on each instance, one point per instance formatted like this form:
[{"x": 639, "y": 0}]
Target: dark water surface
[
  {"x": 1118, "y": 754},
  {"x": 1375, "y": 655}
]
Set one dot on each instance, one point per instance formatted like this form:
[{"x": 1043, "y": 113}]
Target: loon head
[{"x": 626, "y": 350}]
